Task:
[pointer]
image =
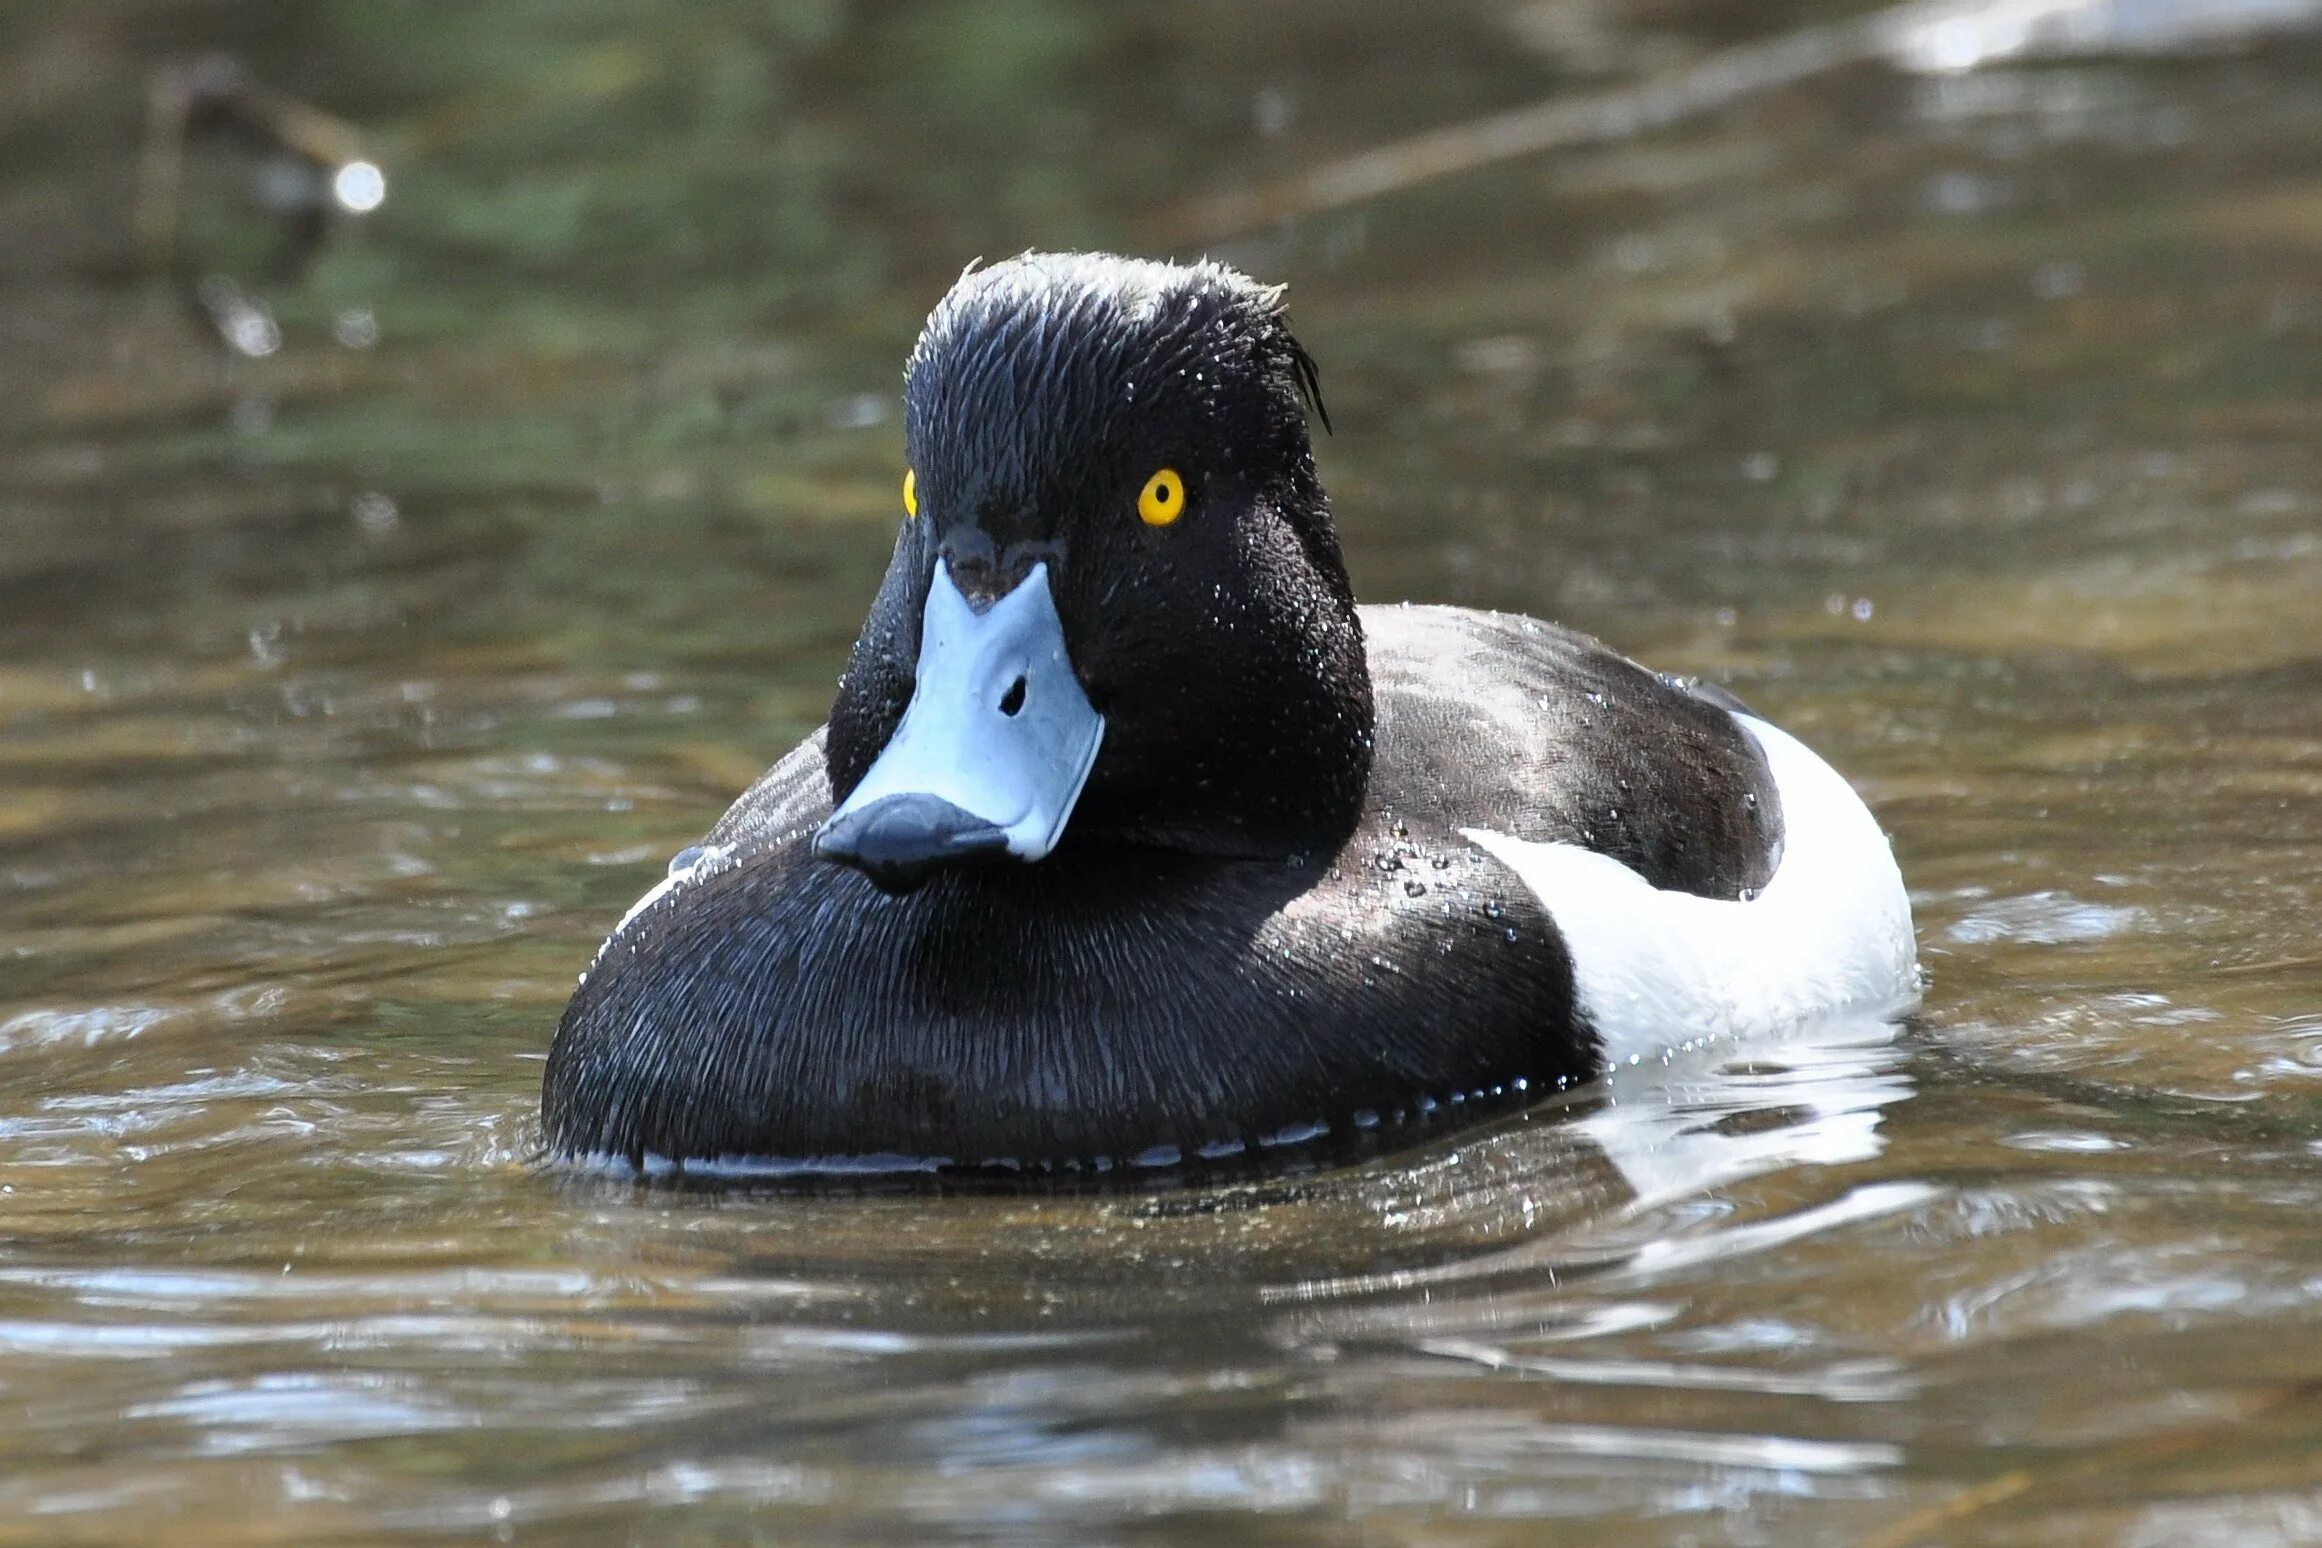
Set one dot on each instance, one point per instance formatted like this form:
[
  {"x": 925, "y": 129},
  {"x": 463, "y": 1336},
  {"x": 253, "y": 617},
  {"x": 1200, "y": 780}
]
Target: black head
[{"x": 1138, "y": 429}]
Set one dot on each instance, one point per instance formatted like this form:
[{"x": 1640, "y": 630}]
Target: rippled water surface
[{"x": 1968, "y": 420}]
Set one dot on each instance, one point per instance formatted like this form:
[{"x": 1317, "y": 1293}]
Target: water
[{"x": 1966, "y": 422}]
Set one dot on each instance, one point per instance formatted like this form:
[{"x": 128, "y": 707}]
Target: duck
[{"x": 1133, "y": 843}]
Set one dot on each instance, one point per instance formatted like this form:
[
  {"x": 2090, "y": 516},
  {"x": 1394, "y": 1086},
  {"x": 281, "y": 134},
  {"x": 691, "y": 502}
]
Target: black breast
[{"x": 1103, "y": 1007}]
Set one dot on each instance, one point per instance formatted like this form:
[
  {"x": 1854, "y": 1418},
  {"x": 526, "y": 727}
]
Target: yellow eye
[
  {"x": 910, "y": 492},
  {"x": 1163, "y": 500}
]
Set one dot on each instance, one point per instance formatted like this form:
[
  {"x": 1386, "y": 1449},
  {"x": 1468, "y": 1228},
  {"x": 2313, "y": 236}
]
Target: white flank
[{"x": 1829, "y": 935}]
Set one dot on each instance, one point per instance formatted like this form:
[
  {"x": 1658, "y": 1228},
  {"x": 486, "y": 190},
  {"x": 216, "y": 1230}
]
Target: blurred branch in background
[
  {"x": 307, "y": 167},
  {"x": 1927, "y": 37}
]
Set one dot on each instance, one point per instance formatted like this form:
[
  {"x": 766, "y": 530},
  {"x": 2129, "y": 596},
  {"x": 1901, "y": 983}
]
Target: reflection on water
[
  {"x": 1965, "y": 421},
  {"x": 1033, "y": 1355},
  {"x": 1718, "y": 1114},
  {"x": 1951, "y": 36}
]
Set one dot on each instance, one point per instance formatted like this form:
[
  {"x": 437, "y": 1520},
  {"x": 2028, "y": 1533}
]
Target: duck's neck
[{"x": 1266, "y": 757}]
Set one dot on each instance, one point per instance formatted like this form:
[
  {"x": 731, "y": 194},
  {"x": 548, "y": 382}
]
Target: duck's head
[{"x": 1116, "y": 612}]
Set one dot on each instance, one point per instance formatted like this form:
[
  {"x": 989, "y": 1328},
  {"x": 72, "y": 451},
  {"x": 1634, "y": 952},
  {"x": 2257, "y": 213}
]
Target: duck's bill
[{"x": 992, "y": 751}]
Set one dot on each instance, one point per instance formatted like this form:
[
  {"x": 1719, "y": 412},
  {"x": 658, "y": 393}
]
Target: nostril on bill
[{"x": 1013, "y": 700}]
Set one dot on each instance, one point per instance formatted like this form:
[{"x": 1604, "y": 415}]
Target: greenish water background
[{"x": 1965, "y": 421}]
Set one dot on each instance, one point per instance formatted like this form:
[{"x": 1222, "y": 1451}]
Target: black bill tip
[{"x": 897, "y": 841}]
